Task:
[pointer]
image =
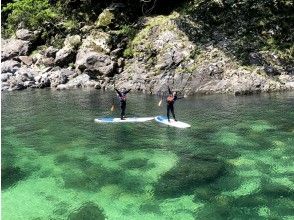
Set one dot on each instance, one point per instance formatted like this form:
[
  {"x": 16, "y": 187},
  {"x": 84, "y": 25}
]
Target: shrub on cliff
[
  {"x": 257, "y": 25},
  {"x": 30, "y": 13}
]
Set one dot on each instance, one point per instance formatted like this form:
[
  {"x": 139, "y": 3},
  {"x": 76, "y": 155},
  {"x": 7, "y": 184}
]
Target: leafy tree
[{"x": 30, "y": 13}]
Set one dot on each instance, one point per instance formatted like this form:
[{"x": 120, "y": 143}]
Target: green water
[{"x": 236, "y": 161}]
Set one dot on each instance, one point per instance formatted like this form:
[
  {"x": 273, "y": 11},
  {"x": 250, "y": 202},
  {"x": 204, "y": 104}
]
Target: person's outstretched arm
[
  {"x": 169, "y": 91},
  {"x": 128, "y": 91},
  {"x": 118, "y": 92}
]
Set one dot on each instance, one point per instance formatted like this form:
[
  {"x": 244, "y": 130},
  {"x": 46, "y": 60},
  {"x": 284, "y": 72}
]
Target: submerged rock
[
  {"x": 140, "y": 163},
  {"x": 10, "y": 175},
  {"x": 190, "y": 172},
  {"x": 88, "y": 211}
]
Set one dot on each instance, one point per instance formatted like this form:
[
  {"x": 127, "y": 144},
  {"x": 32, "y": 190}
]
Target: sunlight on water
[{"x": 235, "y": 162}]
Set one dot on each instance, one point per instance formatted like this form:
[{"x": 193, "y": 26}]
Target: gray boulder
[
  {"x": 9, "y": 66},
  {"x": 42, "y": 80},
  {"x": 271, "y": 71},
  {"x": 14, "y": 47},
  {"x": 46, "y": 61},
  {"x": 29, "y": 84},
  {"x": 5, "y": 77},
  {"x": 27, "y": 35},
  {"x": 72, "y": 41},
  {"x": 65, "y": 56},
  {"x": 26, "y": 73},
  {"x": 26, "y": 60},
  {"x": 117, "y": 52},
  {"x": 4, "y": 86},
  {"x": 70, "y": 74},
  {"x": 50, "y": 52},
  {"x": 17, "y": 86},
  {"x": 255, "y": 59},
  {"x": 57, "y": 77},
  {"x": 21, "y": 79},
  {"x": 79, "y": 81},
  {"x": 97, "y": 42},
  {"x": 95, "y": 64}
]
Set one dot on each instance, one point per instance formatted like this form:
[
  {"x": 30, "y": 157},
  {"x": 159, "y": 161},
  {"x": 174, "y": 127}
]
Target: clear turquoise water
[{"x": 236, "y": 161}]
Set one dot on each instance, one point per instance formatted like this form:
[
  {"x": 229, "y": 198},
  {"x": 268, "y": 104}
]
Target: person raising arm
[
  {"x": 170, "y": 100},
  {"x": 122, "y": 95}
]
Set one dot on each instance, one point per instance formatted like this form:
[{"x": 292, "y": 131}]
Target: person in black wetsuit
[
  {"x": 123, "y": 101},
  {"x": 170, "y": 100}
]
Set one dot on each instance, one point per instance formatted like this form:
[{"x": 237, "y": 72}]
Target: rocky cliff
[{"x": 164, "y": 50}]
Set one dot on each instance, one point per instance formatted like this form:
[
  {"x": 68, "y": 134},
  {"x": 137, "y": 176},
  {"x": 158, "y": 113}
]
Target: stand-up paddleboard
[
  {"x": 178, "y": 124},
  {"x": 118, "y": 120}
]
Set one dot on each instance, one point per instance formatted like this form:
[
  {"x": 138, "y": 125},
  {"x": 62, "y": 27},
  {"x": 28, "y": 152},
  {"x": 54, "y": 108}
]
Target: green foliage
[
  {"x": 250, "y": 25},
  {"x": 105, "y": 18},
  {"x": 128, "y": 53},
  {"x": 83, "y": 10},
  {"x": 31, "y": 13},
  {"x": 70, "y": 25},
  {"x": 128, "y": 31}
]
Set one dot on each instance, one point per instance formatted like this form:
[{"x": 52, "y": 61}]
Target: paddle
[
  {"x": 159, "y": 103},
  {"x": 112, "y": 107}
]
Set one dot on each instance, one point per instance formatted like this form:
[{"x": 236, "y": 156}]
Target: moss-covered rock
[
  {"x": 97, "y": 41},
  {"x": 72, "y": 41},
  {"x": 105, "y": 18}
]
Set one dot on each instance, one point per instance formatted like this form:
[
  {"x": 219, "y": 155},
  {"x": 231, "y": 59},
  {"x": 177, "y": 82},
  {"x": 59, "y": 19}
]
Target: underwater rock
[
  {"x": 88, "y": 211},
  {"x": 190, "y": 172},
  {"x": 278, "y": 191},
  {"x": 150, "y": 208},
  {"x": 205, "y": 194},
  {"x": 10, "y": 175},
  {"x": 85, "y": 175},
  {"x": 136, "y": 164}
]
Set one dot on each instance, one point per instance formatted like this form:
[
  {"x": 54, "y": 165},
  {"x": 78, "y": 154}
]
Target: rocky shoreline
[{"x": 159, "y": 57}]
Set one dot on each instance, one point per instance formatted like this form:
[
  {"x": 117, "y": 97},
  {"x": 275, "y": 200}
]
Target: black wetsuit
[
  {"x": 123, "y": 103},
  {"x": 170, "y": 105}
]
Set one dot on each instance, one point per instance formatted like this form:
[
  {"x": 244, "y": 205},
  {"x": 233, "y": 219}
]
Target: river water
[{"x": 235, "y": 162}]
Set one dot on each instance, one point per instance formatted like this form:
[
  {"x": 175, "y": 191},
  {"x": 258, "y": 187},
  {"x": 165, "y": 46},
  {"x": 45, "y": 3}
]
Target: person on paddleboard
[
  {"x": 122, "y": 95},
  {"x": 170, "y": 100}
]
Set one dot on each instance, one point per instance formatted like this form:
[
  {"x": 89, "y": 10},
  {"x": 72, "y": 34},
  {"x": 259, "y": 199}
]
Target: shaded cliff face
[{"x": 165, "y": 53}]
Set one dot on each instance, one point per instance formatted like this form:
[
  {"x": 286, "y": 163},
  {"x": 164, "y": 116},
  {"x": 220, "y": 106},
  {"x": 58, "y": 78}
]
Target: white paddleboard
[
  {"x": 172, "y": 122},
  {"x": 118, "y": 120}
]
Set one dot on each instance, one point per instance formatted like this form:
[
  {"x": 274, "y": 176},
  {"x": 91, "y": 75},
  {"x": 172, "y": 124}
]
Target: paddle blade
[
  {"x": 112, "y": 108},
  {"x": 159, "y": 103}
]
